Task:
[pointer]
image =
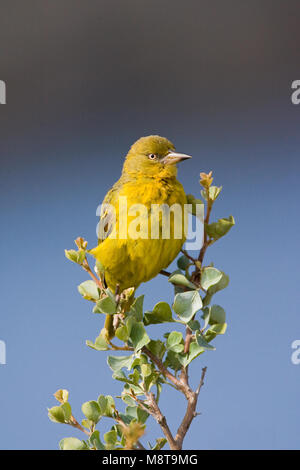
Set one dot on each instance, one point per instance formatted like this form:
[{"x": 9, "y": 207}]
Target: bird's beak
[{"x": 174, "y": 157}]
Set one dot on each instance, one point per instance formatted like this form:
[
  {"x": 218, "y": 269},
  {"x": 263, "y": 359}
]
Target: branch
[
  {"x": 155, "y": 411},
  {"x": 180, "y": 385},
  {"x": 190, "y": 412},
  {"x": 73, "y": 422},
  {"x": 188, "y": 256},
  {"x": 196, "y": 274},
  {"x": 165, "y": 273},
  {"x": 120, "y": 348},
  {"x": 201, "y": 383},
  {"x": 206, "y": 221},
  {"x": 87, "y": 268}
]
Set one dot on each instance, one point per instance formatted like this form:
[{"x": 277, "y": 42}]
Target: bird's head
[{"x": 153, "y": 156}]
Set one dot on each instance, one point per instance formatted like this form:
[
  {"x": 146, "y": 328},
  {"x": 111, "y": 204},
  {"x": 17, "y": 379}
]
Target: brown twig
[
  {"x": 178, "y": 383},
  {"x": 87, "y": 268},
  {"x": 120, "y": 348},
  {"x": 165, "y": 273},
  {"x": 73, "y": 422},
  {"x": 190, "y": 412},
  {"x": 206, "y": 221},
  {"x": 188, "y": 256},
  {"x": 188, "y": 338},
  {"x": 155, "y": 411}
]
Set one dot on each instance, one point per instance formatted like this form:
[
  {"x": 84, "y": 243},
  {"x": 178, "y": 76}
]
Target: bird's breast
[{"x": 153, "y": 234}]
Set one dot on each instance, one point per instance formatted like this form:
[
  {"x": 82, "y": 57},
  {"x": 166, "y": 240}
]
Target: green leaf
[
  {"x": 222, "y": 284},
  {"x": 218, "y": 229},
  {"x": 160, "y": 443},
  {"x": 161, "y": 313},
  {"x": 214, "y": 192},
  {"x": 157, "y": 348},
  {"x": 146, "y": 370},
  {"x": 205, "y": 316},
  {"x": 183, "y": 262},
  {"x": 133, "y": 412},
  {"x": 138, "y": 335},
  {"x": 136, "y": 309},
  {"x": 194, "y": 202},
  {"x": 91, "y": 411},
  {"x": 110, "y": 438},
  {"x": 87, "y": 423},
  {"x": 81, "y": 256},
  {"x": 186, "y": 304},
  {"x": 122, "y": 333},
  {"x": 142, "y": 415},
  {"x": 89, "y": 290},
  {"x": 178, "y": 348},
  {"x": 66, "y": 407},
  {"x": 62, "y": 395},
  {"x": 106, "y": 305},
  {"x": 134, "y": 388},
  {"x": 195, "y": 351},
  {"x": 172, "y": 360},
  {"x": 100, "y": 343},
  {"x": 73, "y": 255},
  {"x": 179, "y": 279},
  {"x": 60, "y": 414},
  {"x": 95, "y": 440},
  {"x": 120, "y": 375},
  {"x": 117, "y": 363},
  {"x": 174, "y": 340},
  {"x": 110, "y": 408},
  {"x": 203, "y": 343},
  {"x": 217, "y": 315},
  {"x": 194, "y": 325},
  {"x": 99, "y": 268},
  {"x": 128, "y": 399},
  {"x": 214, "y": 330},
  {"x": 102, "y": 402},
  {"x": 209, "y": 277},
  {"x": 72, "y": 443},
  {"x": 220, "y": 328},
  {"x": 150, "y": 380},
  {"x": 106, "y": 405},
  {"x": 135, "y": 376}
]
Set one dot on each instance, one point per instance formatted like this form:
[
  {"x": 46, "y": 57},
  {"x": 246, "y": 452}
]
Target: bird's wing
[{"x": 107, "y": 215}]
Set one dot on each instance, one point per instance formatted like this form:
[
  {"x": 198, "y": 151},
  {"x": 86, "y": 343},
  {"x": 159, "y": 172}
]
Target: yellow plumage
[{"x": 148, "y": 177}]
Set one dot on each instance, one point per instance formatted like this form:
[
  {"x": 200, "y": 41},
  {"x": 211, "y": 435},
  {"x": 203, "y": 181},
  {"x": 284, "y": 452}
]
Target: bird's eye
[{"x": 152, "y": 156}]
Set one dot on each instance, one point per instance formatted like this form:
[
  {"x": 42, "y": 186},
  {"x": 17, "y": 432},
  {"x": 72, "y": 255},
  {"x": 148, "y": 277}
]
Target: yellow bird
[{"x": 132, "y": 249}]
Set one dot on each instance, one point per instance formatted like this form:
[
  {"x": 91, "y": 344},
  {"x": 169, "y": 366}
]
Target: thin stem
[
  {"x": 120, "y": 348},
  {"x": 196, "y": 273},
  {"x": 73, "y": 422},
  {"x": 165, "y": 273},
  {"x": 188, "y": 255},
  {"x": 87, "y": 268},
  {"x": 178, "y": 384}
]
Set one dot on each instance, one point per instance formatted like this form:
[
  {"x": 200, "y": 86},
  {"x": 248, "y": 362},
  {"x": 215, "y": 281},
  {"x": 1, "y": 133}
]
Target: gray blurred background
[{"x": 84, "y": 81}]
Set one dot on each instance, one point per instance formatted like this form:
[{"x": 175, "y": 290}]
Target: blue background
[{"x": 84, "y": 81}]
